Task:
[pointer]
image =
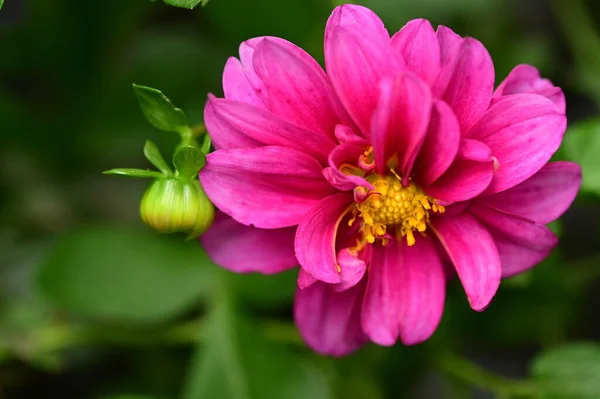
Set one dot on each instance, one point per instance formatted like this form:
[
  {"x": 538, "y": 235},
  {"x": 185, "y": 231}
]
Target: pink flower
[{"x": 398, "y": 164}]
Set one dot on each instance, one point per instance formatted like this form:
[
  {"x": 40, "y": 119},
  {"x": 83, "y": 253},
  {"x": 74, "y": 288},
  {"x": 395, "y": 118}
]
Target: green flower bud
[{"x": 172, "y": 205}]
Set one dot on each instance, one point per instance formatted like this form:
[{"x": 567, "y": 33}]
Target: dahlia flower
[{"x": 395, "y": 169}]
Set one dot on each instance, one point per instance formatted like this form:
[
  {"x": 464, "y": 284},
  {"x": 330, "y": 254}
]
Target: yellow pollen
[{"x": 392, "y": 209}]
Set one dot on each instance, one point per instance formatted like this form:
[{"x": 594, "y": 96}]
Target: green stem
[
  {"x": 198, "y": 130},
  {"x": 468, "y": 372},
  {"x": 187, "y": 139}
]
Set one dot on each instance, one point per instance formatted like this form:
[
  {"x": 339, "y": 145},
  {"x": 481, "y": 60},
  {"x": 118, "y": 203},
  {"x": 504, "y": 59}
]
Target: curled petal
[
  {"x": 245, "y": 249},
  {"x": 526, "y": 79},
  {"x": 471, "y": 248},
  {"x": 328, "y": 320},
  {"x": 346, "y": 135},
  {"x": 419, "y": 46},
  {"x": 343, "y": 173},
  {"x": 316, "y": 237},
  {"x": 523, "y": 131},
  {"x": 474, "y": 150},
  {"x": 268, "y": 187},
  {"x": 543, "y": 197}
]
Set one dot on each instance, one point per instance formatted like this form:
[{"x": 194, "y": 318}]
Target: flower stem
[{"x": 468, "y": 372}]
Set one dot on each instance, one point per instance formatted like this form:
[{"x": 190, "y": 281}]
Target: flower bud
[{"x": 173, "y": 205}]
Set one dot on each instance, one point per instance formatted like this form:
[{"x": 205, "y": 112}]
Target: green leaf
[
  {"x": 236, "y": 362},
  {"x": 582, "y": 145},
  {"x": 571, "y": 371},
  {"x": 107, "y": 272},
  {"x": 160, "y": 111},
  {"x": 206, "y": 143},
  {"x": 152, "y": 154},
  {"x": 188, "y": 161},
  {"x": 189, "y": 4},
  {"x": 133, "y": 173},
  {"x": 1, "y": 4}
]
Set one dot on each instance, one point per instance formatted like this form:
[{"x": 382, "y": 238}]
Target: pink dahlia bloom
[{"x": 381, "y": 177}]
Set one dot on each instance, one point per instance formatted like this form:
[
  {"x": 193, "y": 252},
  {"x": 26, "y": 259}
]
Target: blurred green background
[{"x": 94, "y": 305}]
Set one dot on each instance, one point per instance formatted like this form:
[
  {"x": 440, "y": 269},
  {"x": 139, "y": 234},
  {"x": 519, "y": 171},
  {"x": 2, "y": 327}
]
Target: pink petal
[
  {"x": 305, "y": 279},
  {"x": 244, "y": 249},
  {"x": 356, "y": 17},
  {"x": 341, "y": 155},
  {"x": 223, "y": 134},
  {"x": 268, "y": 187},
  {"x": 316, "y": 237},
  {"x": 329, "y": 321},
  {"x": 405, "y": 293},
  {"x": 381, "y": 305},
  {"x": 400, "y": 122},
  {"x": 355, "y": 64},
  {"x": 237, "y": 119},
  {"x": 526, "y": 79},
  {"x": 352, "y": 269},
  {"x": 246, "y": 52},
  {"x": 543, "y": 197},
  {"x": 516, "y": 257},
  {"x": 296, "y": 86},
  {"x": 523, "y": 131},
  {"x": 236, "y": 85},
  {"x": 440, "y": 145},
  {"x": 423, "y": 289},
  {"x": 475, "y": 150},
  {"x": 345, "y": 134},
  {"x": 468, "y": 176},
  {"x": 470, "y": 88},
  {"x": 521, "y": 230},
  {"x": 474, "y": 255},
  {"x": 419, "y": 46},
  {"x": 449, "y": 51}
]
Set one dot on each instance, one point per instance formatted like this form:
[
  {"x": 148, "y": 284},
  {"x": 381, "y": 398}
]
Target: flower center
[{"x": 392, "y": 210}]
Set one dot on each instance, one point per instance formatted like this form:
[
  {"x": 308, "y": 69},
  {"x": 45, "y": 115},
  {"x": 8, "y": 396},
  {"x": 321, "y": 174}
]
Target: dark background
[{"x": 93, "y": 305}]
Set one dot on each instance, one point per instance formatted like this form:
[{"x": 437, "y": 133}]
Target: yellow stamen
[{"x": 392, "y": 207}]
